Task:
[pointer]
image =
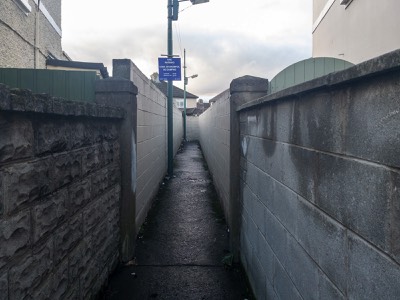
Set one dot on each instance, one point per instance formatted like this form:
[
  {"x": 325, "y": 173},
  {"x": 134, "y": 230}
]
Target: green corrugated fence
[
  {"x": 306, "y": 70},
  {"x": 70, "y": 85}
]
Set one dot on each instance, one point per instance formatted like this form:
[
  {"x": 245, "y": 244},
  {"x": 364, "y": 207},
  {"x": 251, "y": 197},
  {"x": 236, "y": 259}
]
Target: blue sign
[{"x": 169, "y": 68}]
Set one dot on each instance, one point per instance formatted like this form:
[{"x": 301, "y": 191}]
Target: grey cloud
[
  {"x": 217, "y": 58},
  {"x": 220, "y": 59}
]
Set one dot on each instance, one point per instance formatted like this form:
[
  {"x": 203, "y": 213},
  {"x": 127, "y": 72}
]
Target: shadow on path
[{"x": 182, "y": 243}]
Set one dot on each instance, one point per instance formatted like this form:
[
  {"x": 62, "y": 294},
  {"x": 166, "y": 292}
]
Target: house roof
[
  {"x": 177, "y": 92},
  {"x": 78, "y": 65},
  {"x": 198, "y": 110},
  {"x": 192, "y": 111}
]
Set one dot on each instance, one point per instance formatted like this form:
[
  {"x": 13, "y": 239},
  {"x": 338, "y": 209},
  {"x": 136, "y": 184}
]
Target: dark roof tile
[{"x": 178, "y": 93}]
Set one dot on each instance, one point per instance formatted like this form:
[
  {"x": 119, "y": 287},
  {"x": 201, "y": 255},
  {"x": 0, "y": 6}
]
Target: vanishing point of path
[{"x": 181, "y": 246}]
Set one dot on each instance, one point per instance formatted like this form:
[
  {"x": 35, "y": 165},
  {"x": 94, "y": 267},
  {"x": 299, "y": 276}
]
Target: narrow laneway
[{"x": 181, "y": 246}]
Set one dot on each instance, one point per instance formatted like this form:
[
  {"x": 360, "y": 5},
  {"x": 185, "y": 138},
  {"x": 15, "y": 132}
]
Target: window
[
  {"x": 24, "y": 6},
  {"x": 179, "y": 103}
]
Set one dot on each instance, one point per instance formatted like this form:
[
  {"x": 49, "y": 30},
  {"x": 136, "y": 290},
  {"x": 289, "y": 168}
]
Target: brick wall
[{"x": 59, "y": 196}]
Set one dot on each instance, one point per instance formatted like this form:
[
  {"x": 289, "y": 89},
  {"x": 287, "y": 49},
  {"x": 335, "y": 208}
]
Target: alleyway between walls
[{"x": 182, "y": 246}]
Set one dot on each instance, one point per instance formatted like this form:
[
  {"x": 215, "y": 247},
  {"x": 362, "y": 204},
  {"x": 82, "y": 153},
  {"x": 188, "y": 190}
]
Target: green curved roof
[{"x": 306, "y": 70}]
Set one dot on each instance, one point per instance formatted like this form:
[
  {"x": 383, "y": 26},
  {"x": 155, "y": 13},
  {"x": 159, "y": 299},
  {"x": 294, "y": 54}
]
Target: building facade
[
  {"x": 30, "y": 33},
  {"x": 355, "y": 30},
  {"x": 178, "y": 94},
  {"x": 191, "y": 102}
]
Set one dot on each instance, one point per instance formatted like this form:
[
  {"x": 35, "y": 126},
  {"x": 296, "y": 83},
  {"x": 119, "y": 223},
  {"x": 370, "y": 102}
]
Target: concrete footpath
[{"x": 181, "y": 246}]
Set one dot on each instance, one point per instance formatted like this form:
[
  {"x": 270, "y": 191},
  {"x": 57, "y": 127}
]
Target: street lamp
[
  {"x": 185, "y": 82},
  {"x": 197, "y": 1},
  {"x": 173, "y": 10}
]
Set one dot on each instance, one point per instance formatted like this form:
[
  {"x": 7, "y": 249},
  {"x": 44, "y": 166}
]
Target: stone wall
[
  {"x": 59, "y": 196},
  {"x": 18, "y": 30},
  {"x": 151, "y": 135}
]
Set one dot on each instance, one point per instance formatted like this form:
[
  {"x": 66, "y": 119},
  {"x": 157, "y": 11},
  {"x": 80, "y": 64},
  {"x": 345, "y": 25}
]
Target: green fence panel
[
  {"x": 60, "y": 85},
  {"x": 306, "y": 70},
  {"x": 44, "y": 81},
  {"x": 70, "y": 85}
]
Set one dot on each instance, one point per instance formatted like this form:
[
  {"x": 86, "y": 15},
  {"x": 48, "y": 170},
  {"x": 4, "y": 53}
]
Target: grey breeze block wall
[
  {"x": 17, "y": 30},
  {"x": 59, "y": 196},
  {"x": 320, "y": 184},
  {"x": 151, "y": 135},
  {"x": 192, "y": 128},
  {"x": 214, "y": 132},
  {"x": 178, "y": 129}
]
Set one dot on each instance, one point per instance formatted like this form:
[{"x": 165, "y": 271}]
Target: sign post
[{"x": 173, "y": 11}]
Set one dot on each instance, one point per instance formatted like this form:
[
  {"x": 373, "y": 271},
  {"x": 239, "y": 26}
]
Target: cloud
[
  {"x": 224, "y": 39},
  {"x": 217, "y": 59}
]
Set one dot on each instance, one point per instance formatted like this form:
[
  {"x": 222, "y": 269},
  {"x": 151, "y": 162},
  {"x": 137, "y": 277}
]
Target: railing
[{"x": 70, "y": 85}]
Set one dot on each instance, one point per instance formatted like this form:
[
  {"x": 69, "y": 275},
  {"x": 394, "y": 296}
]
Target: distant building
[
  {"x": 191, "y": 99},
  {"x": 355, "y": 30},
  {"x": 30, "y": 33},
  {"x": 199, "y": 109}
]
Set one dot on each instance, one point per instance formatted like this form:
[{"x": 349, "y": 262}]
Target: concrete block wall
[
  {"x": 178, "y": 129},
  {"x": 320, "y": 187},
  {"x": 59, "y": 196},
  {"x": 192, "y": 128},
  {"x": 151, "y": 135},
  {"x": 151, "y": 142},
  {"x": 214, "y": 127}
]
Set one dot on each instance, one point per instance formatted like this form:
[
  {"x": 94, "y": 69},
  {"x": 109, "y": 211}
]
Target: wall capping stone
[
  {"x": 116, "y": 84},
  {"x": 22, "y": 100},
  {"x": 249, "y": 83},
  {"x": 386, "y": 63}
]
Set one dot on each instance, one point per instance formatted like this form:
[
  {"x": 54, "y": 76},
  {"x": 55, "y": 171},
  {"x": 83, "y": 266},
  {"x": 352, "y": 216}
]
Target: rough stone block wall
[
  {"x": 320, "y": 187},
  {"x": 214, "y": 126},
  {"x": 59, "y": 196},
  {"x": 192, "y": 128},
  {"x": 151, "y": 135}
]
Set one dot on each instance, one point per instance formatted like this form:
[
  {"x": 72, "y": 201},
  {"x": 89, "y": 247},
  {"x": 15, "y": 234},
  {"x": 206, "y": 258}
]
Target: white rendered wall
[{"x": 361, "y": 31}]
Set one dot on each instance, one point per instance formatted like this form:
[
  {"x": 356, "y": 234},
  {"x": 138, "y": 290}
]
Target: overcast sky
[{"x": 224, "y": 39}]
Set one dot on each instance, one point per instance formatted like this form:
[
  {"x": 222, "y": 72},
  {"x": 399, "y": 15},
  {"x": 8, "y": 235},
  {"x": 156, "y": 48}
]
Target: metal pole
[
  {"x": 170, "y": 97},
  {"x": 184, "y": 94}
]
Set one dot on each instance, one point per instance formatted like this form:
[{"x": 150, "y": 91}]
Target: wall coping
[
  {"x": 22, "y": 100},
  {"x": 250, "y": 84},
  {"x": 386, "y": 63},
  {"x": 116, "y": 85}
]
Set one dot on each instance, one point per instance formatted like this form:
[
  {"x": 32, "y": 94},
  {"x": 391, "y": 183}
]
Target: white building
[
  {"x": 355, "y": 30},
  {"x": 178, "y": 94}
]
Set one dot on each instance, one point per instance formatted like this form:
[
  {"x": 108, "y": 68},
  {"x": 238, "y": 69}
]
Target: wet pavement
[{"x": 183, "y": 242}]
